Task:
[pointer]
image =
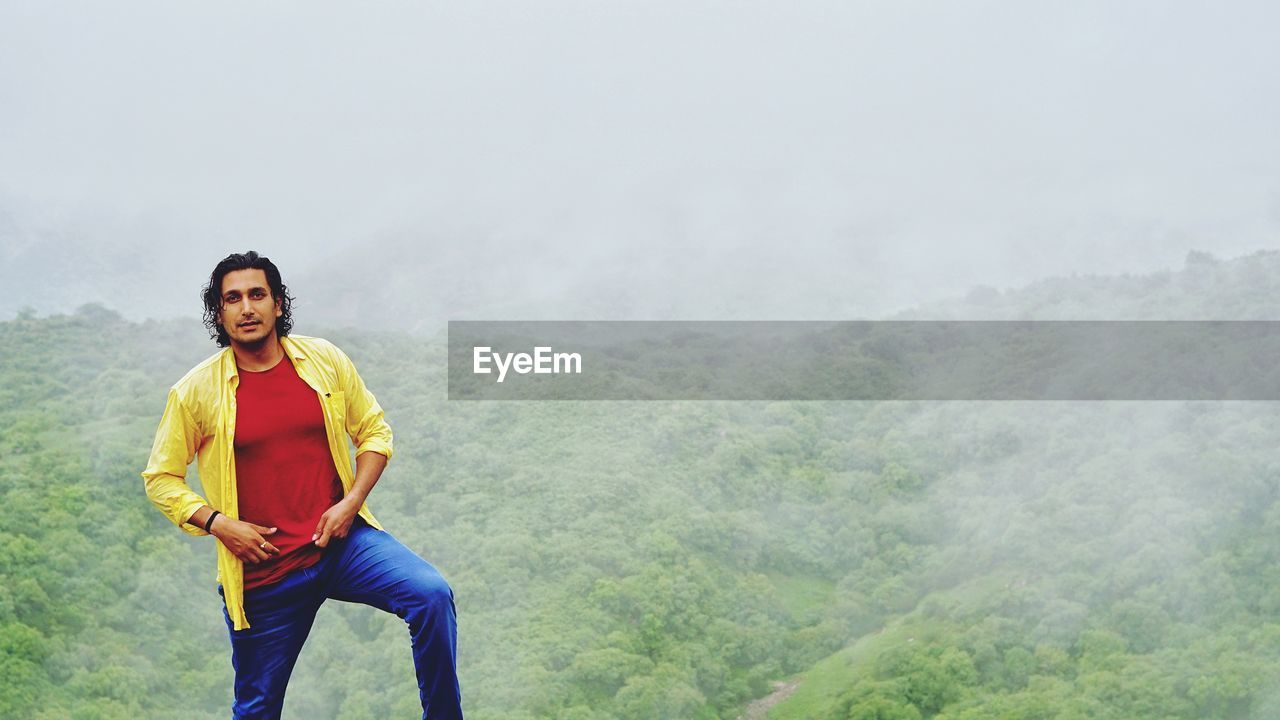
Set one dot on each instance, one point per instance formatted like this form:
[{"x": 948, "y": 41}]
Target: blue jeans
[{"x": 367, "y": 566}]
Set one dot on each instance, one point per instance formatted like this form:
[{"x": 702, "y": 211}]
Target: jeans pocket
[{"x": 308, "y": 573}]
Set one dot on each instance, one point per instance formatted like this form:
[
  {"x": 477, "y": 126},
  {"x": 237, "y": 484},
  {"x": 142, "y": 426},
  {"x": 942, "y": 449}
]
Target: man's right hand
[{"x": 245, "y": 540}]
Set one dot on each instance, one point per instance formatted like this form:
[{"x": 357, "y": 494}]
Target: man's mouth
[{"x": 252, "y": 323}]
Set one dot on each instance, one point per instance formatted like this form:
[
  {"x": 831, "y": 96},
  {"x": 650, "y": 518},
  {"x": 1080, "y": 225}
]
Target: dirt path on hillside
[{"x": 758, "y": 709}]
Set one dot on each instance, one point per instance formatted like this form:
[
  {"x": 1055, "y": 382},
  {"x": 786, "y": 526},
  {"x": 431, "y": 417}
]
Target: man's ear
[{"x": 279, "y": 311}]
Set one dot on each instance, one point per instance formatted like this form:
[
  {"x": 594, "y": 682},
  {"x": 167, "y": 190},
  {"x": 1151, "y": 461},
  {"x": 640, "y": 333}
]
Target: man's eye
[
  {"x": 257, "y": 294},
  {"x": 232, "y": 298}
]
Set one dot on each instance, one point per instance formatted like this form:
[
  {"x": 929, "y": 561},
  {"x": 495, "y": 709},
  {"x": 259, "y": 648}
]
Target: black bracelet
[{"x": 209, "y": 523}]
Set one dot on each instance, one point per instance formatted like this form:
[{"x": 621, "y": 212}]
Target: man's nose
[{"x": 244, "y": 306}]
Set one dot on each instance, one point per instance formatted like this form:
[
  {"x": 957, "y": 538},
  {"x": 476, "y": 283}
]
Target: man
[{"x": 269, "y": 418}]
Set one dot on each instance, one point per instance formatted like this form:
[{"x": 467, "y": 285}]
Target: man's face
[{"x": 249, "y": 311}]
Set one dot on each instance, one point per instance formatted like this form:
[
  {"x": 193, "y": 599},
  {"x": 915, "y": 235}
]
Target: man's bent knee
[{"x": 431, "y": 595}]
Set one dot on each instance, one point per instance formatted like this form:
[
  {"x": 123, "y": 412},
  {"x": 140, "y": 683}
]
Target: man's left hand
[{"x": 336, "y": 521}]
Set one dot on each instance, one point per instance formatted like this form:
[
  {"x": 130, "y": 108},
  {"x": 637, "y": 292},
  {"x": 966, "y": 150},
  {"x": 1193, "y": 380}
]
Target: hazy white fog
[{"x": 654, "y": 159}]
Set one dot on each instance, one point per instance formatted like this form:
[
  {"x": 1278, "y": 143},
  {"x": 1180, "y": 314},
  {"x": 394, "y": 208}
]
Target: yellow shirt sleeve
[
  {"x": 366, "y": 423},
  {"x": 177, "y": 439}
]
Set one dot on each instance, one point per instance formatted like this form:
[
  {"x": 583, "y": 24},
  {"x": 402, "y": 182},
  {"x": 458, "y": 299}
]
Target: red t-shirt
[{"x": 285, "y": 477}]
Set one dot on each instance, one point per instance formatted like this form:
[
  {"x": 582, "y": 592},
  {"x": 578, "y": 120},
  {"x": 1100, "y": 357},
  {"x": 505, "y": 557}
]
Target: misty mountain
[
  {"x": 489, "y": 281},
  {"x": 1206, "y": 288},
  {"x": 676, "y": 559}
]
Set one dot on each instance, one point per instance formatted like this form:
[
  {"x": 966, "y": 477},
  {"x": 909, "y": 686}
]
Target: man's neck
[{"x": 260, "y": 356}]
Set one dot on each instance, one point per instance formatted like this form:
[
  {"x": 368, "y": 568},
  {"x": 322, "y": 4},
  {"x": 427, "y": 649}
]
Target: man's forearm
[
  {"x": 369, "y": 467},
  {"x": 200, "y": 517}
]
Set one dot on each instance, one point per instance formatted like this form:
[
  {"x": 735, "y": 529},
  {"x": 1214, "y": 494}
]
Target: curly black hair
[{"x": 212, "y": 293}]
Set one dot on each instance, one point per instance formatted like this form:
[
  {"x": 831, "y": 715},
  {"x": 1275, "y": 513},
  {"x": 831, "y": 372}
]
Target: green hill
[{"x": 674, "y": 560}]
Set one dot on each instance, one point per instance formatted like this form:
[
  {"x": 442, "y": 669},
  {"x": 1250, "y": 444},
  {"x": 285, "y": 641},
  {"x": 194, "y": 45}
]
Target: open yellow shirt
[{"x": 200, "y": 419}]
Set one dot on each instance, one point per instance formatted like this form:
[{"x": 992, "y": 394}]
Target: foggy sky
[{"x": 873, "y": 154}]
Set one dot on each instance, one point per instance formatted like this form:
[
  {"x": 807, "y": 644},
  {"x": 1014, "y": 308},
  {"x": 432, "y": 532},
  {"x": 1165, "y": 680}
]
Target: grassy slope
[{"x": 822, "y": 685}]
